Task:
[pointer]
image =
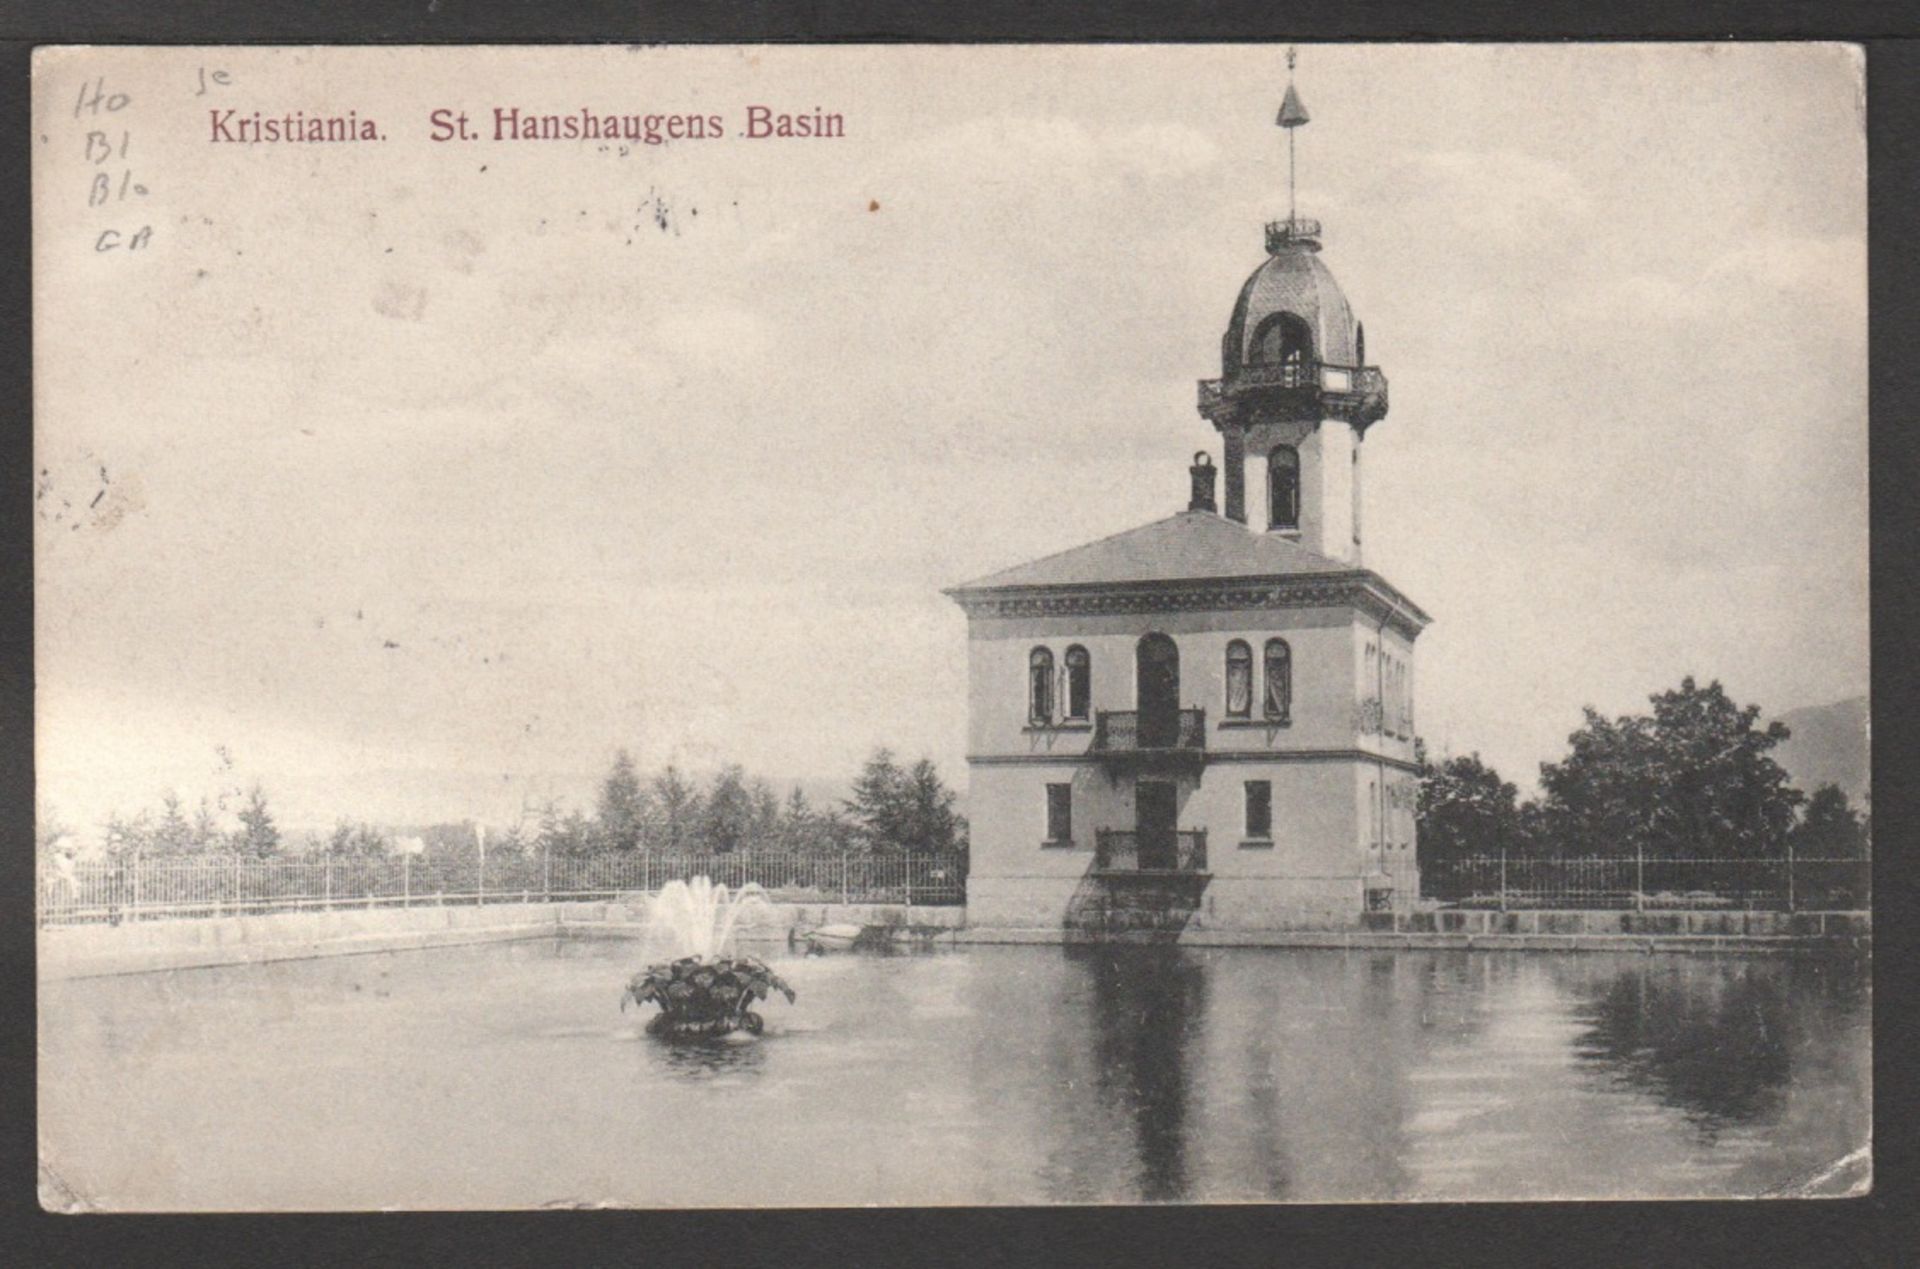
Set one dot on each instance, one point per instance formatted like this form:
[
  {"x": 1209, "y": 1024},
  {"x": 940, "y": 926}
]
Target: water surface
[{"x": 505, "y": 1076}]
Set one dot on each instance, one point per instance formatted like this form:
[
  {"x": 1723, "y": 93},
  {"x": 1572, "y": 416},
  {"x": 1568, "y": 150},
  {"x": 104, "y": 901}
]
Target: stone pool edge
[{"x": 101, "y": 951}]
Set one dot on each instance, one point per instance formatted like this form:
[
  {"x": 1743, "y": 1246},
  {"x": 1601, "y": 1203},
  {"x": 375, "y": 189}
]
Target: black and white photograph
[{"x": 897, "y": 625}]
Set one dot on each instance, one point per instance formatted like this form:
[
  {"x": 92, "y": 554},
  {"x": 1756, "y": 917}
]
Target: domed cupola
[
  {"x": 1291, "y": 309},
  {"x": 1293, "y": 348}
]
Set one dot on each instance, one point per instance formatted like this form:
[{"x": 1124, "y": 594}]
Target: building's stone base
[{"x": 1220, "y": 903}]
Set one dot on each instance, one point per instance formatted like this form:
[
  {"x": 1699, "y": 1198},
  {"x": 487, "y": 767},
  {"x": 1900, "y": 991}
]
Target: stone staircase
[{"x": 1137, "y": 908}]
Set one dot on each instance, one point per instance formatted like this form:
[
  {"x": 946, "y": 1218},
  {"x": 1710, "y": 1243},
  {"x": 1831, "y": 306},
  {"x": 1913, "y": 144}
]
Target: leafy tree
[
  {"x": 931, "y": 824},
  {"x": 1692, "y": 779},
  {"x": 1830, "y": 828},
  {"x": 568, "y": 835},
  {"x": 875, "y": 809},
  {"x": 805, "y": 831},
  {"x": 766, "y": 815},
  {"x": 125, "y": 838},
  {"x": 513, "y": 843},
  {"x": 676, "y": 811},
  {"x": 257, "y": 837},
  {"x": 173, "y": 835},
  {"x": 358, "y": 841},
  {"x": 727, "y": 816},
  {"x": 1464, "y": 808},
  {"x": 206, "y": 828},
  {"x": 903, "y": 809},
  {"x": 51, "y": 836},
  {"x": 622, "y": 808}
]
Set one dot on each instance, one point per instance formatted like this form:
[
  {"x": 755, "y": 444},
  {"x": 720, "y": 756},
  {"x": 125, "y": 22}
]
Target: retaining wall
[
  {"x": 1716, "y": 932},
  {"x": 138, "y": 947},
  {"x": 82, "y": 951}
]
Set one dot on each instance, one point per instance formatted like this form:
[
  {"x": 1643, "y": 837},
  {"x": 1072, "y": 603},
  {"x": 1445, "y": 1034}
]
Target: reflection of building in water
[
  {"x": 1201, "y": 720},
  {"x": 1170, "y": 1074},
  {"x": 1147, "y": 1007}
]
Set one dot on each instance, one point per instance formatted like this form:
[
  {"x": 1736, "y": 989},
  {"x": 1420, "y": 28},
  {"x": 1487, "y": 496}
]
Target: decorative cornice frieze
[
  {"x": 1213, "y": 756},
  {"x": 1364, "y": 591}
]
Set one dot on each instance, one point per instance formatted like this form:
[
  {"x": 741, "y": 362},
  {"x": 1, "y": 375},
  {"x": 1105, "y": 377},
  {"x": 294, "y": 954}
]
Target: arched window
[
  {"x": 1283, "y": 488},
  {"x": 1079, "y": 684},
  {"x": 1360, "y": 344},
  {"x": 1156, "y": 689},
  {"x": 1278, "y": 702},
  {"x": 1040, "y": 686},
  {"x": 1282, "y": 339},
  {"x": 1239, "y": 680}
]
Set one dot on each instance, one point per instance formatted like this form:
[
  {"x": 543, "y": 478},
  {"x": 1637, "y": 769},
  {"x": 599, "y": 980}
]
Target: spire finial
[{"x": 1292, "y": 115}]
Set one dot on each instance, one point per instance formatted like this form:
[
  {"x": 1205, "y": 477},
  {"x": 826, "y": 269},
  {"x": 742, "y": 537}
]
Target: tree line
[
  {"x": 893, "y": 808},
  {"x": 1693, "y": 778}
]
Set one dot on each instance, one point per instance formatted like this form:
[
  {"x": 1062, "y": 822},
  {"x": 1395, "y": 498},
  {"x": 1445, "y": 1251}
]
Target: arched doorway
[{"x": 1157, "y": 691}]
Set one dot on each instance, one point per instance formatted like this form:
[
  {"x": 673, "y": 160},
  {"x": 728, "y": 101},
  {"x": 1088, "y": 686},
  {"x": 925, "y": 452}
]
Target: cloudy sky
[{"x": 422, "y": 476}]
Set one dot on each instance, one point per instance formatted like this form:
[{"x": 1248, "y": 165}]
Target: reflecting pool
[{"x": 505, "y": 1075}]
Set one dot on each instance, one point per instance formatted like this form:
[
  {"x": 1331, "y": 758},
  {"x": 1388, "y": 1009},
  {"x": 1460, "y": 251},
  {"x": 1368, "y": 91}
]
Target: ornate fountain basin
[{"x": 701, "y": 996}]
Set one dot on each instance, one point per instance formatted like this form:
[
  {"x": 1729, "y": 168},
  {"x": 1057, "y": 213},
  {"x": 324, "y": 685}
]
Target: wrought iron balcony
[
  {"x": 1119, "y": 851},
  {"x": 1359, "y": 392},
  {"x": 1175, "y": 736}
]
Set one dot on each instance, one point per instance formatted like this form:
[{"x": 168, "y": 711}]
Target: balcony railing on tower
[
  {"x": 1129, "y": 851},
  {"x": 1363, "y": 387},
  {"x": 1173, "y": 736}
]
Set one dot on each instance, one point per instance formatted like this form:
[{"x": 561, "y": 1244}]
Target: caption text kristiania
[{"x": 510, "y": 123}]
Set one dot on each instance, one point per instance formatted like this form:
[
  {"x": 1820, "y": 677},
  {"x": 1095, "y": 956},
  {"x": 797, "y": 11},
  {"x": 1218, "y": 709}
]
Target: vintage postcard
[{"x": 890, "y": 625}]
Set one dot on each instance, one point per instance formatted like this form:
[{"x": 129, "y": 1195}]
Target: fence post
[
  {"x": 1503, "y": 876},
  {"x": 909, "y": 879},
  {"x": 1790, "y": 895},
  {"x": 326, "y": 887},
  {"x": 406, "y": 880},
  {"x": 546, "y": 870},
  {"x": 1639, "y": 876},
  {"x": 133, "y": 908},
  {"x": 843, "y": 879}
]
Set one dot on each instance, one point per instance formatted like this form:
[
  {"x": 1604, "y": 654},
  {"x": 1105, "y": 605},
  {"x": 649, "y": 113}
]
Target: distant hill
[{"x": 1829, "y": 746}]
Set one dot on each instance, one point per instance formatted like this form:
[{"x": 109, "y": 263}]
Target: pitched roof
[{"x": 1190, "y": 546}]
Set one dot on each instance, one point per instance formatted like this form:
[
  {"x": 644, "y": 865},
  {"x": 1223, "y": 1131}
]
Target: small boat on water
[{"x": 830, "y": 938}]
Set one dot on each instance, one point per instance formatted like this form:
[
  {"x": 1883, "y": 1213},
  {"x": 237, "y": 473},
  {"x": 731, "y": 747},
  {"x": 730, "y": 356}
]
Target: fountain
[{"x": 701, "y": 989}]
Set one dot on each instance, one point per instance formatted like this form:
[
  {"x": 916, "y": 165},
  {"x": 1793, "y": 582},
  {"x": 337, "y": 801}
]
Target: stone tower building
[{"x": 1202, "y": 723}]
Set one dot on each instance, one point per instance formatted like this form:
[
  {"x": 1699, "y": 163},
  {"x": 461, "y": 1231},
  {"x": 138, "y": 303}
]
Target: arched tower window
[
  {"x": 1079, "y": 684},
  {"x": 1282, "y": 339},
  {"x": 1239, "y": 680},
  {"x": 1278, "y": 702},
  {"x": 1283, "y": 488},
  {"x": 1360, "y": 343},
  {"x": 1040, "y": 686}
]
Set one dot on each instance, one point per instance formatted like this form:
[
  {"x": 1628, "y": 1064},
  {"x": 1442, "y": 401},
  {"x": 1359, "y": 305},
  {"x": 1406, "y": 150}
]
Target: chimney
[{"x": 1203, "y": 473}]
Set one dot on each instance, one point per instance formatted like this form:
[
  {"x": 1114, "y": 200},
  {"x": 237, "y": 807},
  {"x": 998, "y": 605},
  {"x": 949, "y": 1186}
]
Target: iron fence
[
  {"x": 149, "y": 889},
  {"x": 1644, "y": 883}
]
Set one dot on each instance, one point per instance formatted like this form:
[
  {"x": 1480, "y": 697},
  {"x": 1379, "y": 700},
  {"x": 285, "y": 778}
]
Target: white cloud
[
  {"x": 1827, "y": 270},
  {"x": 1504, "y": 194}
]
